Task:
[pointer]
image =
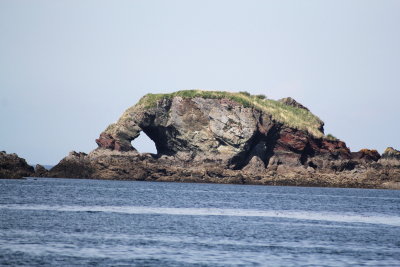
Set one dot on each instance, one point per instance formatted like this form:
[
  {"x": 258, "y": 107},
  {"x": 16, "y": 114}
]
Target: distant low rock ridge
[
  {"x": 14, "y": 167},
  {"x": 222, "y": 137}
]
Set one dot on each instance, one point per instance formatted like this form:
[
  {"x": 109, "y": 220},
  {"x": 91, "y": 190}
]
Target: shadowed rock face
[
  {"x": 220, "y": 140},
  {"x": 366, "y": 154}
]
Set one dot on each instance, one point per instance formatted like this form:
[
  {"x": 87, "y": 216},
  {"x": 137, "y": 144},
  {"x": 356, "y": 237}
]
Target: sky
[{"x": 70, "y": 68}]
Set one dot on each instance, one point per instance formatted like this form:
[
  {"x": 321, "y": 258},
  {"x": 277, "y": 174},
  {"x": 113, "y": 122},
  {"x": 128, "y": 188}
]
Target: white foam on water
[{"x": 298, "y": 215}]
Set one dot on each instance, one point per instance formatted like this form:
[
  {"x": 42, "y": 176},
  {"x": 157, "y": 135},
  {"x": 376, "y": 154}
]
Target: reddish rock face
[
  {"x": 366, "y": 154},
  {"x": 335, "y": 147},
  {"x": 107, "y": 141},
  {"x": 298, "y": 148},
  {"x": 292, "y": 140},
  {"x": 299, "y": 142}
]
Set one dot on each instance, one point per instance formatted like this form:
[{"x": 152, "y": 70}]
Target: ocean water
[{"x": 72, "y": 222}]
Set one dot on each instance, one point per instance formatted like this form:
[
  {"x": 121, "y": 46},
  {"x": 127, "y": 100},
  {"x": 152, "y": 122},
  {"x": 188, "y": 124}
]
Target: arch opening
[{"x": 143, "y": 144}]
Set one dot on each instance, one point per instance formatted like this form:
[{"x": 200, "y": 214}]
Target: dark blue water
[{"x": 67, "y": 222}]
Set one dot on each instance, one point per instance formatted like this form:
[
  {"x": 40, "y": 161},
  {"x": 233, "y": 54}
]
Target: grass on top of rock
[
  {"x": 331, "y": 137},
  {"x": 292, "y": 116}
]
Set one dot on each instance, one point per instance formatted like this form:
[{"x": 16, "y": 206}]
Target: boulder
[
  {"x": 291, "y": 102},
  {"x": 366, "y": 154}
]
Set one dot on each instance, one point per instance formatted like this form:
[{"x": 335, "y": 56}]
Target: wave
[{"x": 344, "y": 217}]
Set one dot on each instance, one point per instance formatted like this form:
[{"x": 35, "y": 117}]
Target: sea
[{"x": 78, "y": 222}]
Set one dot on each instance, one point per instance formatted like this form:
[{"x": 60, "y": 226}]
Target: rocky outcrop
[
  {"x": 226, "y": 138},
  {"x": 218, "y": 130},
  {"x": 75, "y": 165},
  {"x": 390, "y": 159},
  {"x": 14, "y": 167},
  {"x": 366, "y": 154},
  {"x": 41, "y": 171},
  {"x": 291, "y": 102},
  {"x": 391, "y": 153}
]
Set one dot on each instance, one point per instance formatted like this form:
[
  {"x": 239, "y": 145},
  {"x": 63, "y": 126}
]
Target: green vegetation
[
  {"x": 293, "y": 117},
  {"x": 331, "y": 137},
  {"x": 245, "y": 93},
  {"x": 261, "y": 96},
  {"x": 390, "y": 151}
]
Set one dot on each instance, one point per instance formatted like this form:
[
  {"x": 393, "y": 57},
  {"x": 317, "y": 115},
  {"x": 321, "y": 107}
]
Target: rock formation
[
  {"x": 291, "y": 102},
  {"x": 391, "y": 153},
  {"x": 223, "y": 137},
  {"x": 14, "y": 167},
  {"x": 41, "y": 171}
]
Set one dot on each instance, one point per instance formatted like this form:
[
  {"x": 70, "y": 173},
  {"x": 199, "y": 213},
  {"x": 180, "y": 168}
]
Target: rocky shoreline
[
  {"x": 352, "y": 173},
  {"x": 220, "y": 137},
  {"x": 14, "y": 167}
]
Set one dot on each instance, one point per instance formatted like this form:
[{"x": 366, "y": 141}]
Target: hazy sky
[{"x": 70, "y": 68}]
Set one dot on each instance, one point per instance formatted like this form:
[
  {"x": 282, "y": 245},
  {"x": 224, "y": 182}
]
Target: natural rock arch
[
  {"x": 222, "y": 131},
  {"x": 144, "y": 144}
]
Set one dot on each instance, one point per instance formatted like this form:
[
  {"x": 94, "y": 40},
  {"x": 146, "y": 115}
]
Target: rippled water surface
[{"x": 68, "y": 222}]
